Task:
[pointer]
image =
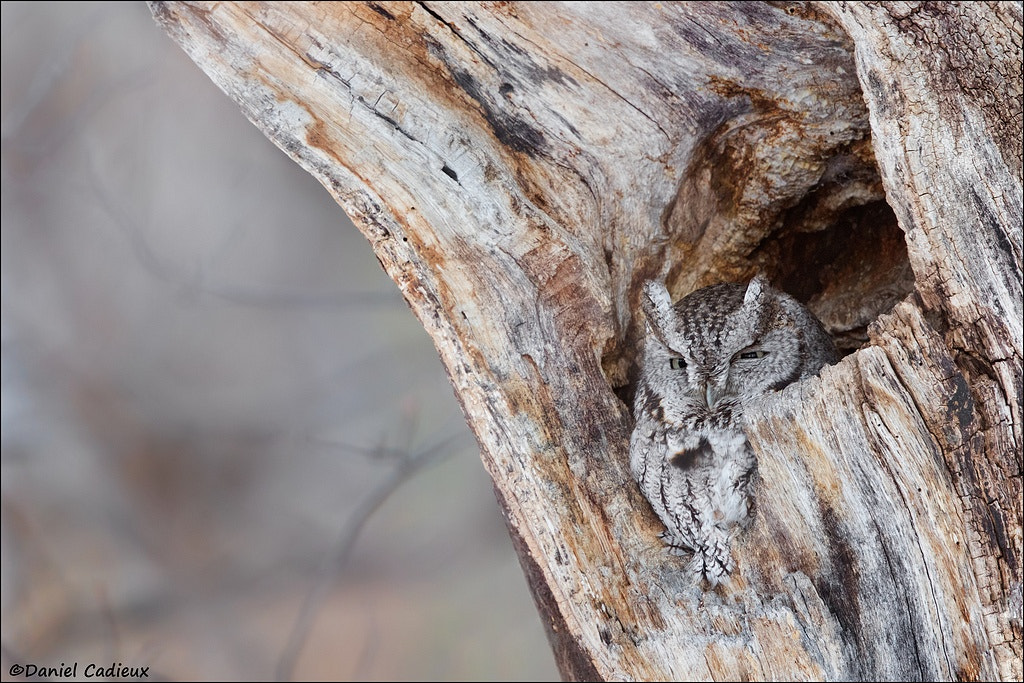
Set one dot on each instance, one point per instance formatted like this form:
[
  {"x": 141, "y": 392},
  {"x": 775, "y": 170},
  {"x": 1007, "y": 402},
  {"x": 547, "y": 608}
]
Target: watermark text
[{"x": 76, "y": 669}]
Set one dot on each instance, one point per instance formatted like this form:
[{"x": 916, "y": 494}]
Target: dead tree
[{"x": 521, "y": 168}]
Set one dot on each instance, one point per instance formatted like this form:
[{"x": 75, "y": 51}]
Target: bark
[{"x": 521, "y": 168}]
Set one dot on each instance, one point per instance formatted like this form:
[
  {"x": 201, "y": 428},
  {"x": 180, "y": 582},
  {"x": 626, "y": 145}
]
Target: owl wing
[
  {"x": 648, "y": 448},
  {"x": 663, "y": 459}
]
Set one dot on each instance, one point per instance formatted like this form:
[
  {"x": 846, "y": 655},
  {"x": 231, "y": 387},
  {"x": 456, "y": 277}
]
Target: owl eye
[
  {"x": 753, "y": 355},
  {"x": 676, "y": 363}
]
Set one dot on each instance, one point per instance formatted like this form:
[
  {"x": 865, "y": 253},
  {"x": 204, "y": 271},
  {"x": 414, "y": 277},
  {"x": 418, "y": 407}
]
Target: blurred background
[{"x": 229, "y": 450}]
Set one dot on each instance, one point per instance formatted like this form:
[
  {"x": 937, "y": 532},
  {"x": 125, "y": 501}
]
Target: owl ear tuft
[
  {"x": 754, "y": 300},
  {"x": 755, "y": 290},
  {"x": 657, "y": 305}
]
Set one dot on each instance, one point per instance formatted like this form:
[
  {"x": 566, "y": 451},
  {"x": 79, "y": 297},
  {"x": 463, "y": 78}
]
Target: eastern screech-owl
[{"x": 704, "y": 360}]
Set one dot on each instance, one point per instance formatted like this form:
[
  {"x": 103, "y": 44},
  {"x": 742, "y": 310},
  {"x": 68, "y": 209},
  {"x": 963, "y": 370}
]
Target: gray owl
[{"x": 704, "y": 360}]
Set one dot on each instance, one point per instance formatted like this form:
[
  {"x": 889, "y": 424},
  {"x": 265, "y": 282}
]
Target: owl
[{"x": 704, "y": 361}]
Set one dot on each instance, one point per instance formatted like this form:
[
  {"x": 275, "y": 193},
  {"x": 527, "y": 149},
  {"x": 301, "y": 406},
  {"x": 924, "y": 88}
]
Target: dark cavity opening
[{"x": 849, "y": 272}]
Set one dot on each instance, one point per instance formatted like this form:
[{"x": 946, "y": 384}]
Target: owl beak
[
  {"x": 712, "y": 394},
  {"x": 707, "y": 392}
]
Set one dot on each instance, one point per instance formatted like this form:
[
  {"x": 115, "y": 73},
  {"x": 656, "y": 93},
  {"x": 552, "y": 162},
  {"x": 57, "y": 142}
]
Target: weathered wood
[{"x": 520, "y": 169}]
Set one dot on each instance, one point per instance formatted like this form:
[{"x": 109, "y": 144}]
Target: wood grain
[{"x": 521, "y": 168}]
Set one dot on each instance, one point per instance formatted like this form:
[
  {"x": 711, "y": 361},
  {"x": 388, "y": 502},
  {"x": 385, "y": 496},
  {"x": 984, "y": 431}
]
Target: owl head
[{"x": 725, "y": 344}]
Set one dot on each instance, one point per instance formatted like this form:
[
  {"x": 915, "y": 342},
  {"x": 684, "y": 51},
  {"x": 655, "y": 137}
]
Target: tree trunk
[{"x": 521, "y": 168}]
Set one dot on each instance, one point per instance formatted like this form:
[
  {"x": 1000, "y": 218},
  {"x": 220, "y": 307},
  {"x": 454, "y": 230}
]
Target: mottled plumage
[{"x": 704, "y": 360}]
